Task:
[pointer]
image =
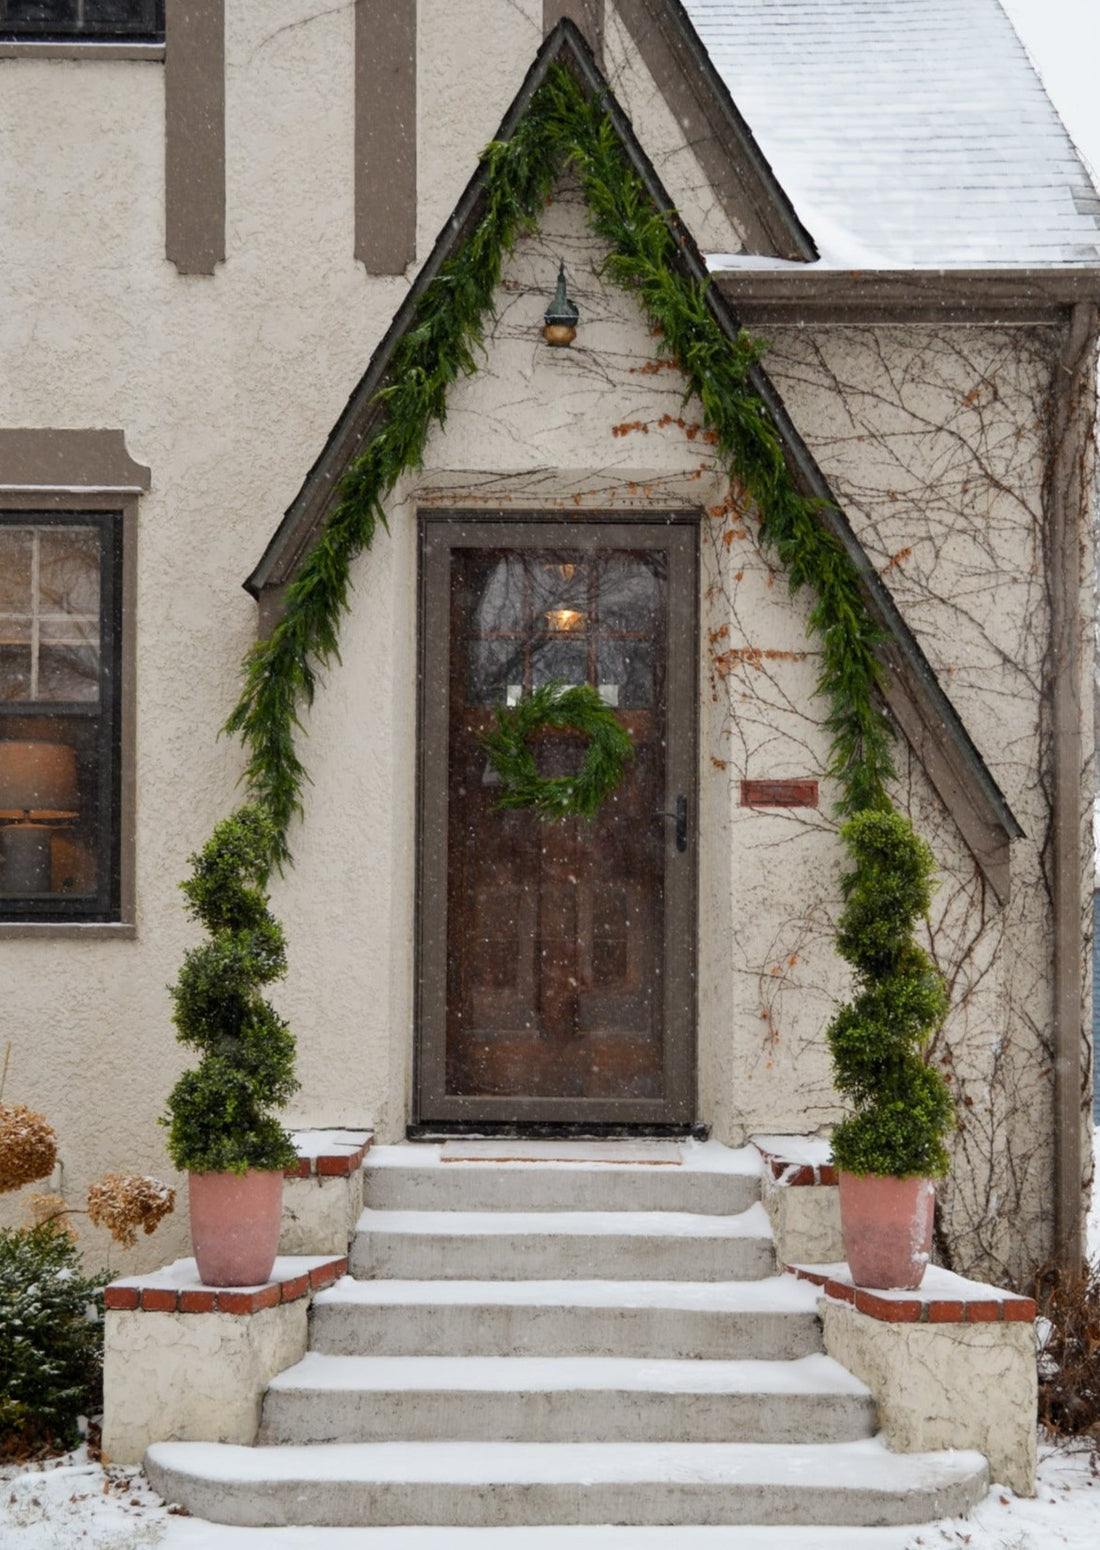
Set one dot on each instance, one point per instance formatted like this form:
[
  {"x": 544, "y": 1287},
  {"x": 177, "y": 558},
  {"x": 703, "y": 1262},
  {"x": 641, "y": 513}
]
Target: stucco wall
[{"x": 227, "y": 387}]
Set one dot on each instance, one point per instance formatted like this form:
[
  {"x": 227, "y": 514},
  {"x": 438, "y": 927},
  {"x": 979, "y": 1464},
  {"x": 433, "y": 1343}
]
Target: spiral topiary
[
  {"x": 219, "y": 1114},
  {"x": 879, "y": 1040}
]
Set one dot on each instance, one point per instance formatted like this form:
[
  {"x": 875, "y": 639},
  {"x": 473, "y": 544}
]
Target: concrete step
[
  {"x": 774, "y": 1319},
  {"x": 563, "y": 1245},
  {"x": 563, "y": 1399},
  {"x": 196, "y": 1534},
  {"x": 562, "y": 1176},
  {"x": 334, "y": 1485}
]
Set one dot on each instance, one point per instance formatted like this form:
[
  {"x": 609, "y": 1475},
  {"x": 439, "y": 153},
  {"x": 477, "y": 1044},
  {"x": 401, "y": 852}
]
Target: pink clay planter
[
  {"x": 235, "y": 1225},
  {"x": 886, "y": 1224}
]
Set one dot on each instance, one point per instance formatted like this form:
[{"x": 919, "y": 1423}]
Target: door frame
[{"x": 435, "y": 1110}]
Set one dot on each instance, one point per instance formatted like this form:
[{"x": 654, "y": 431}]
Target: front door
[{"x": 557, "y": 959}]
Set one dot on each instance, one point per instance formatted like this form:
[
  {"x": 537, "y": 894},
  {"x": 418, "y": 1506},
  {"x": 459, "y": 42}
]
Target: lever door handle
[{"x": 680, "y": 813}]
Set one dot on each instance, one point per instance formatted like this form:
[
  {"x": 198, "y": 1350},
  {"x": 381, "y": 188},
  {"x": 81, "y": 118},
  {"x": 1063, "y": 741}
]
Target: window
[
  {"x": 99, "y": 20},
  {"x": 60, "y": 715}
]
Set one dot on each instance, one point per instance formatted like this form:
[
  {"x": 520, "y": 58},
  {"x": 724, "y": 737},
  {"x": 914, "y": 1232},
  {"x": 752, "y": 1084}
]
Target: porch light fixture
[
  {"x": 38, "y": 795},
  {"x": 560, "y": 318}
]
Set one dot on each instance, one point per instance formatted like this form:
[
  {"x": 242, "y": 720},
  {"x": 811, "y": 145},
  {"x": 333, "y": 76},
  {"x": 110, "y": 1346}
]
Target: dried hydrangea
[
  {"x": 28, "y": 1147},
  {"x": 53, "y": 1209},
  {"x": 123, "y": 1202}
]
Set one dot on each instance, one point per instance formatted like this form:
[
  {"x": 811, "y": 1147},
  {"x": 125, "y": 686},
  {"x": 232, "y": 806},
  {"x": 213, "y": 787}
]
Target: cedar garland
[{"x": 563, "y": 129}]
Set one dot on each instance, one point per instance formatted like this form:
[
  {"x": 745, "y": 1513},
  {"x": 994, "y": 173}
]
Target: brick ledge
[
  {"x": 178, "y": 1289},
  {"x": 329, "y": 1153},
  {"x": 788, "y": 1168},
  {"x": 942, "y": 1298}
]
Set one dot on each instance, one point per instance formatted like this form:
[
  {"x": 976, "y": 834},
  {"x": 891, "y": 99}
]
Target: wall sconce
[
  {"x": 38, "y": 794},
  {"x": 560, "y": 318}
]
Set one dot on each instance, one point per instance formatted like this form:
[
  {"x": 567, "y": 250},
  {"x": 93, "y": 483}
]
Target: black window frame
[
  {"x": 147, "y": 25},
  {"x": 106, "y": 903}
]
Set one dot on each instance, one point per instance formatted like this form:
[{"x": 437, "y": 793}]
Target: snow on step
[
  {"x": 564, "y": 1244},
  {"x": 563, "y": 1175},
  {"x": 195, "y": 1534},
  {"x": 564, "y": 1399},
  {"x": 772, "y": 1318},
  {"x": 527, "y": 1483}
]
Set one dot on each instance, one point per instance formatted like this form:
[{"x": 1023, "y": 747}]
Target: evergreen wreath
[{"x": 554, "y": 705}]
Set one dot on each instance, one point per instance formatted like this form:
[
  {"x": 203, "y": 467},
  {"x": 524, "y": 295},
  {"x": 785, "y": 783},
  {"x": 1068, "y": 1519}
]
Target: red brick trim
[
  {"x": 793, "y": 1174},
  {"x": 330, "y": 1165},
  {"x": 1006, "y": 1308},
  {"x": 169, "y": 1299}
]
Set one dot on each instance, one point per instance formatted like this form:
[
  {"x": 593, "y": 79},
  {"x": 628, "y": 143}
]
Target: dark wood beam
[
  {"x": 194, "y": 135},
  {"x": 385, "y": 134},
  {"x": 809, "y": 294}
]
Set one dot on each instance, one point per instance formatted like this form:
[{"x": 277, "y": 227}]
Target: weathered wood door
[{"x": 557, "y": 960}]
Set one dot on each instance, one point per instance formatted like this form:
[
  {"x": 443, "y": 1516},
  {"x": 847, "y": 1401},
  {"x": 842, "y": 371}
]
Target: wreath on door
[{"x": 555, "y": 706}]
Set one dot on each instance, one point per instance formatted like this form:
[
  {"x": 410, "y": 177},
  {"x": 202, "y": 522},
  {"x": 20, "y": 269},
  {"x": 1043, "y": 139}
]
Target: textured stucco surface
[
  {"x": 805, "y": 1222},
  {"x": 226, "y": 387},
  {"x": 320, "y": 1213},
  {"x": 194, "y": 1377},
  {"x": 946, "y": 1386}
]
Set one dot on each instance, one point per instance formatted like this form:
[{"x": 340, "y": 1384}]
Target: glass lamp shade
[{"x": 38, "y": 782}]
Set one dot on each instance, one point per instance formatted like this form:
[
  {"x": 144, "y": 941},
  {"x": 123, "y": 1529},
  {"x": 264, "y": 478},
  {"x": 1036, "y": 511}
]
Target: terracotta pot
[
  {"x": 235, "y": 1225},
  {"x": 886, "y": 1224}
]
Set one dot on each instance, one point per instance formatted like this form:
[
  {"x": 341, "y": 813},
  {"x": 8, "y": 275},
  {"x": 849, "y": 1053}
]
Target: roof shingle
[{"x": 907, "y": 133}]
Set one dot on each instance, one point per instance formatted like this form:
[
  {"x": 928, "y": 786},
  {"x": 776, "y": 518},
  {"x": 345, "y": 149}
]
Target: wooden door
[{"x": 556, "y": 960}]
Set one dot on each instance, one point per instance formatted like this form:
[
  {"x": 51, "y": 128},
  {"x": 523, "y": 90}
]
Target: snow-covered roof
[{"x": 906, "y": 132}]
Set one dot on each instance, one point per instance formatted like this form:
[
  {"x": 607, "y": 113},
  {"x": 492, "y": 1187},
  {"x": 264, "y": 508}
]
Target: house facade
[{"x": 219, "y": 223}]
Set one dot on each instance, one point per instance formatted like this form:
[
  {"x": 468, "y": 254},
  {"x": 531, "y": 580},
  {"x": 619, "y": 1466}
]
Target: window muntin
[
  {"x": 117, "y": 21},
  {"x": 60, "y": 661}
]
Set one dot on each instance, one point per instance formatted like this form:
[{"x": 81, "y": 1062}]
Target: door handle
[{"x": 681, "y": 816}]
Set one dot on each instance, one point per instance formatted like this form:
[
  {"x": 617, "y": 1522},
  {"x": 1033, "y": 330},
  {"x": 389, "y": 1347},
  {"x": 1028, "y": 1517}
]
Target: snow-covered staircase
[{"x": 550, "y": 1341}]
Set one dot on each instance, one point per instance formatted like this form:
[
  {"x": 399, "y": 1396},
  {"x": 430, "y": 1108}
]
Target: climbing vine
[{"x": 563, "y": 129}]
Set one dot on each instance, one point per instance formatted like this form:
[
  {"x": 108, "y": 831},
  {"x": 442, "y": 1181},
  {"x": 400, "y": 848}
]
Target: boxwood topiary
[
  {"x": 879, "y": 1040},
  {"x": 219, "y": 1115}
]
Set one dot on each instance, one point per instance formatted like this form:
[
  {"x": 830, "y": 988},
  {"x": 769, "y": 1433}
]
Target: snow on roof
[{"x": 906, "y": 132}]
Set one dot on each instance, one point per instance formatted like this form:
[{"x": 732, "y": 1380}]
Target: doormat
[{"x": 665, "y": 1154}]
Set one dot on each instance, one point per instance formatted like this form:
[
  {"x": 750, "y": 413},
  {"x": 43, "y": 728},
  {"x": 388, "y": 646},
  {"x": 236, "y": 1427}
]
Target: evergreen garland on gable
[{"x": 563, "y": 129}]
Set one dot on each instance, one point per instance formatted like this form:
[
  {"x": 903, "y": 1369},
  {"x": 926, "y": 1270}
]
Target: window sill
[
  {"x": 81, "y": 49},
  {"x": 72, "y": 930}
]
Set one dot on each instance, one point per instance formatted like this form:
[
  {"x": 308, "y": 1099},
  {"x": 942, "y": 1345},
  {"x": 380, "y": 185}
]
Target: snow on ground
[{"x": 73, "y": 1504}]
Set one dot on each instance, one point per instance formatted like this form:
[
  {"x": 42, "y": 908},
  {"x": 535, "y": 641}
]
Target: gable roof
[
  {"x": 907, "y": 133},
  {"x": 911, "y": 689}
]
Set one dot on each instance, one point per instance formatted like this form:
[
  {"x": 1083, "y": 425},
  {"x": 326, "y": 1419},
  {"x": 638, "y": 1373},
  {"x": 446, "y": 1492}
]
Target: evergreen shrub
[
  {"x": 51, "y": 1339},
  {"x": 219, "y": 1114},
  {"x": 879, "y": 1040}
]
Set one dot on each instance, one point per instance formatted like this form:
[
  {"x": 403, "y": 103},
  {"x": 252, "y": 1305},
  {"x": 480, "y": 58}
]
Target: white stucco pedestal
[
  {"x": 191, "y": 1362},
  {"x": 951, "y": 1365},
  {"x": 323, "y": 1196}
]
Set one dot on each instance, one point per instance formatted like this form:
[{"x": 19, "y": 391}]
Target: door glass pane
[{"x": 555, "y": 929}]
